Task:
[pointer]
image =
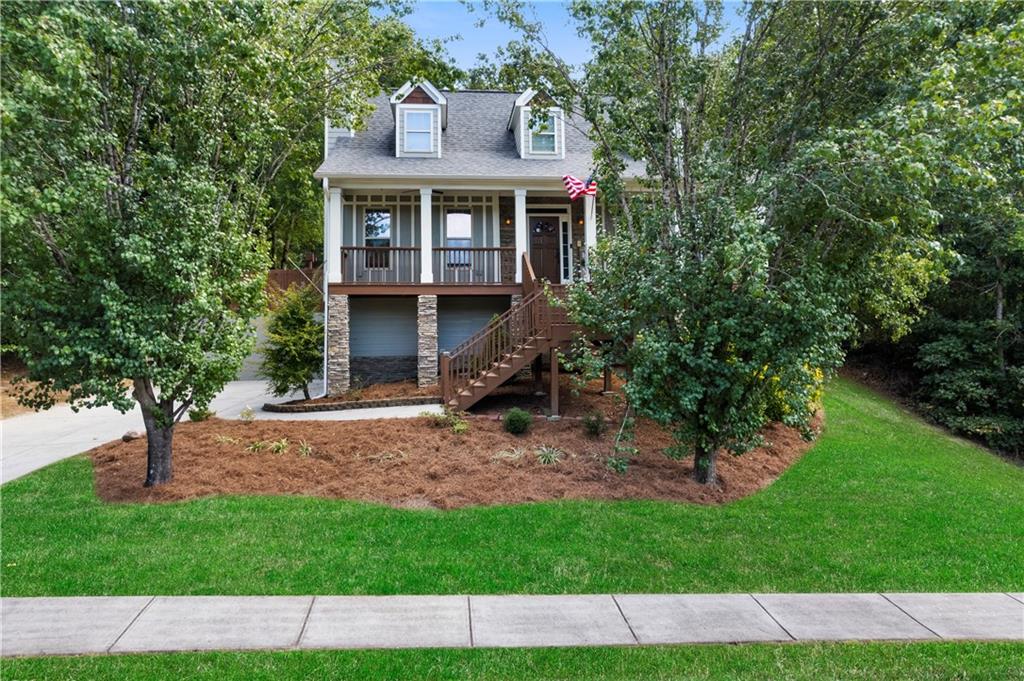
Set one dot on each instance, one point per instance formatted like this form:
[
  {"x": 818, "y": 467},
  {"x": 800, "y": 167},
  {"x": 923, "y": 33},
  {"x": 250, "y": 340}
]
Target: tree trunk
[
  {"x": 1000, "y": 301},
  {"x": 159, "y": 420},
  {"x": 705, "y": 465},
  {"x": 305, "y": 390}
]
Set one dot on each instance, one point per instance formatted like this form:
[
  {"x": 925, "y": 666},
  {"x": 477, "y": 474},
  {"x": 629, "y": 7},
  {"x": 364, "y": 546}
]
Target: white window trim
[
  {"x": 554, "y": 136},
  {"x": 434, "y": 131},
  {"x": 526, "y": 134},
  {"x": 565, "y": 229}
]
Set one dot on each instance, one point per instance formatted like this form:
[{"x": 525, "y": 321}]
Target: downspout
[{"x": 323, "y": 382}]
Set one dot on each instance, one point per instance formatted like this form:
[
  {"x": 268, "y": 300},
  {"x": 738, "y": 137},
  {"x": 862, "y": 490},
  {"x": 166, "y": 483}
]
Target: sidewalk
[
  {"x": 135, "y": 624},
  {"x": 31, "y": 441}
]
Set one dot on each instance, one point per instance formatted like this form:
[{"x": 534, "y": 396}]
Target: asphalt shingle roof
[{"x": 476, "y": 144}]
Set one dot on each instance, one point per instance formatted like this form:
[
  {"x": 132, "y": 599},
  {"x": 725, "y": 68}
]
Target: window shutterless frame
[
  {"x": 543, "y": 135},
  {"x": 418, "y": 131},
  {"x": 377, "y": 224}
]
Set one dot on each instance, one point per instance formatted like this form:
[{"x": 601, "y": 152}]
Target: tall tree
[
  {"x": 141, "y": 140},
  {"x": 783, "y": 206}
]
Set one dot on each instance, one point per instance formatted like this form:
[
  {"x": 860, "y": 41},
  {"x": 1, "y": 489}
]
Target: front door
[{"x": 544, "y": 248}]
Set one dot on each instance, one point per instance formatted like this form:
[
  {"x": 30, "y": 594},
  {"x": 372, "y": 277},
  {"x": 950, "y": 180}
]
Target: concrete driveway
[{"x": 32, "y": 441}]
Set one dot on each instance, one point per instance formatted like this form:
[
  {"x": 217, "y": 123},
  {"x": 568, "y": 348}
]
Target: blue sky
[{"x": 452, "y": 19}]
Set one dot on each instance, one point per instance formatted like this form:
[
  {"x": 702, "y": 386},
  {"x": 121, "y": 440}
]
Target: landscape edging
[{"x": 355, "y": 404}]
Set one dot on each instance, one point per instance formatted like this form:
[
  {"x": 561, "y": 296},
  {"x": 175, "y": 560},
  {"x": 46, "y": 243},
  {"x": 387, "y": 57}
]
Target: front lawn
[
  {"x": 882, "y": 502},
  {"x": 868, "y": 662}
]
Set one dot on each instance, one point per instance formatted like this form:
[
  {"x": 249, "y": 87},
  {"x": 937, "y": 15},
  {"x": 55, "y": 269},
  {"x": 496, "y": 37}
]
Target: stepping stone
[
  {"x": 503, "y": 621},
  {"x": 967, "y": 616},
  {"x": 55, "y": 626},
  {"x": 217, "y": 623},
  {"x": 698, "y": 618},
  {"x": 841, "y": 617},
  {"x": 387, "y": 622}
]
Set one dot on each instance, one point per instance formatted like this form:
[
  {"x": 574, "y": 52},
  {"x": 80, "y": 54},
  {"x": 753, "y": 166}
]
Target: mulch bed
[
  {"x": 377, "y": 391},
  {"x": 411, "y": 463}
]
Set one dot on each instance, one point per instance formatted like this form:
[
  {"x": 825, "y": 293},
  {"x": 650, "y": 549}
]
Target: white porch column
[
  {"x": 426, "y": 237},
  {"x": 332, "y": 244},
  {"x": 522, "y": 230},
  {"x": 589, "y": 231}
]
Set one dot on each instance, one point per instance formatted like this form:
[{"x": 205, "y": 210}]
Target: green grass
[
  {"x": 919, "y": 661},
  {"x": 882, "y": 502}
]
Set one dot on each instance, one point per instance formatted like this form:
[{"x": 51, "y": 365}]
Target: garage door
[
  {"x": 459, "y": 318},
  {"x": 382, "y": 326}
]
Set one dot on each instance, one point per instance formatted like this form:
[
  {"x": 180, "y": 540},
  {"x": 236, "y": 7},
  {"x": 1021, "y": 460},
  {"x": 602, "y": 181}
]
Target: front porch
[{"x": 445, "y": 240}]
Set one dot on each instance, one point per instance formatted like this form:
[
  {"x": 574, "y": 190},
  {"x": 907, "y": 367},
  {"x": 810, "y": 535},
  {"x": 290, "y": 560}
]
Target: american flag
[{"x": 577, "y": 188}]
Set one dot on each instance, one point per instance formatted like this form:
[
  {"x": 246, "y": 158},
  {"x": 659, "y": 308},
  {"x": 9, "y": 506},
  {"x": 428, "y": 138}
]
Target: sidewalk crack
[
  {"x": 625, "y": 619},
  {"x": 134, "y": 619},
  {"x": 920, "y": 623},
  {"x": 469, "y": 614},
  {"x": 791, "y": 636},
  {"x": 305, "y": 621}
]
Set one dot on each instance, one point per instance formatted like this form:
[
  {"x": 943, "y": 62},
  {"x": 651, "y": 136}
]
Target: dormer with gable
[
  {"x": 420, "y": 113},
  {"x": 538, "y": 126}
]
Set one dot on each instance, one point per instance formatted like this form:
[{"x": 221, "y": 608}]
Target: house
[{"x": 443, "y": 213}]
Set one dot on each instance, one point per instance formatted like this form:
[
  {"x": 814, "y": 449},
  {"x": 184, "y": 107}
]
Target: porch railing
[
  {"x": 401, "y": 265},
  {"x": 380, "y": 264},
  {"x": 469, "y": 265}
]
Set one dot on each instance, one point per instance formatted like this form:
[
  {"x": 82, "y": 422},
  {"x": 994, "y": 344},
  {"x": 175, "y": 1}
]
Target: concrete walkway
[
  {"x": 135, "y": 624},
  {"x": 31, "y": 441}
]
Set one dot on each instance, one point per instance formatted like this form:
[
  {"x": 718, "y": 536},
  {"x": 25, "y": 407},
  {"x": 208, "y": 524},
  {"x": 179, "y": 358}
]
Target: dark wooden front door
[{"x": 544, "y": 248}]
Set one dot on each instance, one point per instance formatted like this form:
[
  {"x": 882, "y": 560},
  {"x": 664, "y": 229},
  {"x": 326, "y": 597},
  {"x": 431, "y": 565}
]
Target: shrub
[
  {"x": 247, "y": 415},
  {"x": 279, "y": 446},
  {"x": 200, "y": 414},
  {"x": 619, "y": 464},
  {"x": 594, "y": 424},
  {"x": 548, "y": 455},
  {"x": 305, "y": 449},
  {"x": 447, "y": 419},
  {"x": 258, "y": 446},
  {"x": 293, "y": 353},
  {"x": 517, "y": 421}
]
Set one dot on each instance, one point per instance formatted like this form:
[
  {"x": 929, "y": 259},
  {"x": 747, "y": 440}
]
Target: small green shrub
[
  {"x": 305, "y": 449},
  {"x": 594, "y": 424},
  {"x": 293, "y": 353},
  {"x": 517, "y": 421},
  {"x": 619, "y": 464},
  {"x": 227, "y": 440},
  {"x": 257, "y": 446},
  {"x": 279, "y": 446},
  {"x": 548, "y": 455},
  {"x": 447, "y": 419},
  {"x": 247, "y": 415},
  {"x": 200, "y": 414}
]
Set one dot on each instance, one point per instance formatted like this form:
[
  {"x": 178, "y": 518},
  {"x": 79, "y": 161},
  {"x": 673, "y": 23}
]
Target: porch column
[
  {"x": 521, "y": 232},
  {"x": 426, "y": 237},
  {"x": 589, "y": 231},
  {"x": 332, "y": 244}
]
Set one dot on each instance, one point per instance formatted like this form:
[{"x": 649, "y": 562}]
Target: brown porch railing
[
  {"x": 380, "y": 264},
  {"x": 469, "y": 265}
]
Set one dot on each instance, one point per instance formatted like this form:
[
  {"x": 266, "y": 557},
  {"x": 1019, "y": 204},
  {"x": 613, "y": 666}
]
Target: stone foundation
[
  {"x": 426, "y": 344},
  {"x": 338, "y": 375},
  {"x": 370, "y": 370}
]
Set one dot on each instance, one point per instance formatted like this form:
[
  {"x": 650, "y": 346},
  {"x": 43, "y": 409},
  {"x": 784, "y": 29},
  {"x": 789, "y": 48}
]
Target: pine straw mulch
[{"x": 410, "y": 463}]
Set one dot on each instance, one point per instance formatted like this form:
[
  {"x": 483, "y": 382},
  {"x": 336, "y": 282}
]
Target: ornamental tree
[
  {"x": 139, "y": 142},
  {"x": 293, "y": 354}
]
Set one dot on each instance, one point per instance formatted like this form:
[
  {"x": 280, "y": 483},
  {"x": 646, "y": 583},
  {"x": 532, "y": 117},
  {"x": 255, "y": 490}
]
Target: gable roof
[{"x": 477, "y": 145}]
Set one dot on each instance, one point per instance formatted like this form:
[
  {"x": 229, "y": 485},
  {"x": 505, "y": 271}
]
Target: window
[
  {"x": 542, "y": 136},
  {"x": 419, "y": 131},
  {"x": 458, "y": 234},
  {"x": 377, "y": 237}
]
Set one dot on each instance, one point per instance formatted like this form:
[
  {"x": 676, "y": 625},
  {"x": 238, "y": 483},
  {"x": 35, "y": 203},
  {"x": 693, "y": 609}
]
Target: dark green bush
[
  {"x": 517, "y": 421},
  {"x": 293, "y": 354},
  {"x": 594, "y": 424},
  {"x": 200, "y": 413}
]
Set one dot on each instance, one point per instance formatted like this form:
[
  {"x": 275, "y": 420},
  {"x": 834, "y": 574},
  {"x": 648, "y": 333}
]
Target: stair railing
[{"x": 495, "y": 342}]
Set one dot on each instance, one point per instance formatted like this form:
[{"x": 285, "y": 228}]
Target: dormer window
[
  {"x": 419, "y": 130},
  {"x": 542, "y": 136},
  {"x": 538, "y": 126},
  {"x": 421, "y": 113}
]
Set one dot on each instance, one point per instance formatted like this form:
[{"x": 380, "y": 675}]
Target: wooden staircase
[{"x": 506, "y": 346}]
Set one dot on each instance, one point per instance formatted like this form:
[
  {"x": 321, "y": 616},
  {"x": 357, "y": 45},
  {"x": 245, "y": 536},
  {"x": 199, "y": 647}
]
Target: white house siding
[
  {"x": 459, "y": 317},
  {"x": 382, "y": 332}
]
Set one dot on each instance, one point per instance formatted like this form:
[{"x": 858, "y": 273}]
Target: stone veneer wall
[
  {"x": 426, "y": 343},
  {"x": 370, "y": 370},
  {"x": 338, "y": 375}
]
